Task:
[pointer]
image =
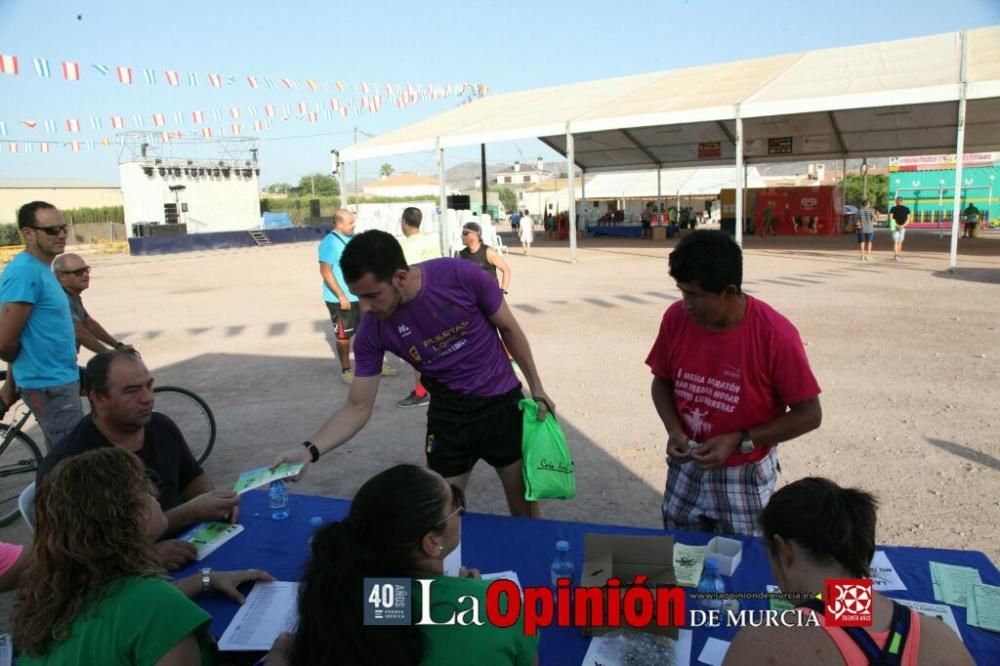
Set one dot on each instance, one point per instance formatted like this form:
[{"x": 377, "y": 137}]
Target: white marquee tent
[{"x": 927, "y": 95}]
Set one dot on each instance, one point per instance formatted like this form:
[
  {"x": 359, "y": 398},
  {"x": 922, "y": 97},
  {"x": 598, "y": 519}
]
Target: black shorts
[
  {"x": 455, "y": 442},
  {"x": 345, "y": 322}
]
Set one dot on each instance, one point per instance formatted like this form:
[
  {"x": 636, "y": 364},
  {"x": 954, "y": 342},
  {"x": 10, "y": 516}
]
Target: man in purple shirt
[{"x": 442, "y": 316}]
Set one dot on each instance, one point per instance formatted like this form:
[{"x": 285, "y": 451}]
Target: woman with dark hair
[
  {"x": 815, "y": 530},
  {"x": 403, "y": 523},
  {"x": 94, "y": 591}
]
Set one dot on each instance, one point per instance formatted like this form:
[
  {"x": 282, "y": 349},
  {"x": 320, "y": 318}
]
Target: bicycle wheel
[
  {"x": 191, "y": 414},
  {"x": 19, "y": 460}
]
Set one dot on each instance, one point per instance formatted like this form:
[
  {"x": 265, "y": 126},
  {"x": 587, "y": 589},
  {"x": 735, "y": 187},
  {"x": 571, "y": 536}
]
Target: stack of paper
[
  {"x": 983, "y": 606},
  {"x": 207, "y": 537},
  {"x": 270, "y": 609},
  {"x": 883, "y": 574},
  {"x": 951, "y": 582}
]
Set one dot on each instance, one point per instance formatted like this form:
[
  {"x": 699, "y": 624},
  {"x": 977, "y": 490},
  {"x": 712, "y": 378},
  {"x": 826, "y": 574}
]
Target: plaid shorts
[{"x": 724, "y": 500}]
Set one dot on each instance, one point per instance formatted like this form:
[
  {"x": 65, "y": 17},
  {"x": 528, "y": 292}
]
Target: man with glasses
[
  {"x": 74, "y": 276},
  {"x": 37, "y": 336}
]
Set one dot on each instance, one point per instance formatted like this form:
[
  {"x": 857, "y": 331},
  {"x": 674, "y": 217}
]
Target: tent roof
[
  {"x": 889, "y": 98},
  {"x": 684, "y": 182}
]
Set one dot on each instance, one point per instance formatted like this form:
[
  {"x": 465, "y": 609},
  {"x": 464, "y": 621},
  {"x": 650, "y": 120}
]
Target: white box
[{"x": 729, "y": 553}]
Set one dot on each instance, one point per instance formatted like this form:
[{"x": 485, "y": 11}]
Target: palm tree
[{"x": 386, "y": 170}]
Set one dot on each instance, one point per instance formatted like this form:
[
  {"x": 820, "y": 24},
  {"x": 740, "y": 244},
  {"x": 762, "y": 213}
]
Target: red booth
[{"x": 791, "y": 211}]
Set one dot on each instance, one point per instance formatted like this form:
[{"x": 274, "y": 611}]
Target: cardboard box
[
  {"x": 625, "y": 557},
  {"x": 659, "y": 233},
  {"x": 729, "y": 553}
]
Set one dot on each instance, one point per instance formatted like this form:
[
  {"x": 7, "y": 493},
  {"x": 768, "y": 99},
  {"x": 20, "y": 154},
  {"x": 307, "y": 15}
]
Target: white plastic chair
[{"x": 26, "y": 503}]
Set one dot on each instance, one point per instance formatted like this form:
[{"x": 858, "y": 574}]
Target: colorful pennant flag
[
  {"x": 125, "y": 75},
  {"x": 215, "y": 80},
  {"x": 289, "y": 83},
  {"x": 44, "y": 147},
  {"x": 95, "y": 123},
  {"x": 71, "y": 70},
  {"x": 268, "y": 82},
  {"x": 303, "y": 108},
  {"x": 178, "y": 118},
  {"x": 206, "y": 132},
  {"x": 193, "y": 79},
  {"x": 172, "y": 78},
  {"x": 258, "y": 125},
  {"x": 137, "y": 120},
  {"x": 31, "y": 124},
  {"x": 73, "y": 125},
  {"x": 197, "y": 117},
  {"x": 150, "y": 76},
  {"x": 268, "y": 110},
  {"x": 313, "y": 117},
  {"x": 234, "y": 111},
  {"x": 117, "y": 122},
  {"x": 252, "y": 82},
  {"x": 90, "y": 144},
  {"x": 105, "y": 141},
  {"x": 340, "y": 86},
  {"x": 74, "y": 146},
  {"x": 217, "y": 114},
  {"x": 237, "y": 128},
  {"x": 3, "y": 128},
  {"x": 50, "y": 126},
  {"x": 101, "y": 69},
  {"x": 41, "y": 67},
  {"x": 159, "y": 120},
  {"x": 8, "y": 64},
  {"x": 13, "y": 147},
  {"x": 312, "y": 85}
]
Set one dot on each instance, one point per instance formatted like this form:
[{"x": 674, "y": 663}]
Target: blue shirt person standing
[
  {"x": 340, "y": 302},
  {"x": 37, "y": 336}
]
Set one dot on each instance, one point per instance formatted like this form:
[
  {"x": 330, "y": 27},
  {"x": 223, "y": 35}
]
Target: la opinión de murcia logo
[{"x": 848, "y": 602}]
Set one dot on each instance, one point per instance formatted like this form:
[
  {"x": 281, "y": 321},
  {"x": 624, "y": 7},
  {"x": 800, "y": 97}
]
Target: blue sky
[{"x": 511, "y": 45}]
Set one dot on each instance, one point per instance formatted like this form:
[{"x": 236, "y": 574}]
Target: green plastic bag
[{"x": 547, "y": 464}]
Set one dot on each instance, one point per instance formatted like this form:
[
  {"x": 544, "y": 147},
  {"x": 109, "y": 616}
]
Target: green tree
[
  {"x": 278, "y": 188},
  {"x": 878, "y": 190},
  {"x": 508, "y": 198},
  {"x": 325, "y": 184},
  {"x": 386, "y": 170}
]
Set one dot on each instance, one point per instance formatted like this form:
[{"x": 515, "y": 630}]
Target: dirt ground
[{"x": 907, "y": 355}]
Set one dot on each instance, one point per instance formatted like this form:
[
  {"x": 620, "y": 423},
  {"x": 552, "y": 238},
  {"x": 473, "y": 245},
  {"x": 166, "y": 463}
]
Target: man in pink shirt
[{"x": 730, "y": 381}]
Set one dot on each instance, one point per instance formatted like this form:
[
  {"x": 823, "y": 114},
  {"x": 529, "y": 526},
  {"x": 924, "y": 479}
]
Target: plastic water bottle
[
  {"x": 711, "y": 583},
  {"x": 562, "y": 566},
  {"x": 277, "y": 497}
]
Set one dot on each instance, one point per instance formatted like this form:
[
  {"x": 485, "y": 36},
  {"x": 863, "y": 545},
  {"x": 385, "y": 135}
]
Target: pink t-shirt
[
  {"x": 9, "y": 552},
  {"x": 732, "y": 380}
]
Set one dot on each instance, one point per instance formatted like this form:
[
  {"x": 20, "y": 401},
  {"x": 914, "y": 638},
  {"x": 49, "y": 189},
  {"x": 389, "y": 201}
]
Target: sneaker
[
  {"x": 388, "y": 370},
  {"x": 897, "y": 257},
  {"x": 347, "y": 376},
  {"x": 413, "y": 401}
]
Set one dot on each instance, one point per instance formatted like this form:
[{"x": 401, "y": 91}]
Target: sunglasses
[
  {"x": 458, "y": 498},
  {"x": 51, "y": 231},
  {"x": 79, "y": 272}
]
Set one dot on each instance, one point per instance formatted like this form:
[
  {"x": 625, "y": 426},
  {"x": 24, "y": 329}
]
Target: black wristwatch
[
  {"x": 313, "y": 451},
  {"x": 746, "y": 443}
]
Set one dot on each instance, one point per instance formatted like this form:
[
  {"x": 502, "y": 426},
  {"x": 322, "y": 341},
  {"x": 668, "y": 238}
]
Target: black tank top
[{"x": 479, "y": 257}]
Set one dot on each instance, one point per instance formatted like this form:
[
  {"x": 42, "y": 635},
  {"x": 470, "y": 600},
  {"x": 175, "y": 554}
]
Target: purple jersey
[{"x": 444, "y": 332}]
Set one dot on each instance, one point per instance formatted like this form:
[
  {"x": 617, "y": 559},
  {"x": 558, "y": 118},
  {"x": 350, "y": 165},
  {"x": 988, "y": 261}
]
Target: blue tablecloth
[
  {"x": 497, "y": 543},
  {"x": 633, "y": 230}
]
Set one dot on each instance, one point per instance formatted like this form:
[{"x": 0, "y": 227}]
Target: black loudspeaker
[
  {"x": 459, "y": 202},
  {"x": 170, "y": 214},
  {"x": 314, "y": 208}
]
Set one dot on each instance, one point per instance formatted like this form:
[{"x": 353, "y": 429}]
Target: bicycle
[{"x": 20, "y": 457}]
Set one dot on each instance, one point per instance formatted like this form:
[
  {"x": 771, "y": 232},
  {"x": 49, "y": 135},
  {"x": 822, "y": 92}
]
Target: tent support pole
[
  {"x": 583, "y": 199},
  {"x": 482, "y": 177},
  {"x": 959, "y": 158},
  {"x": 659, "y": 189},
  {"x": 739, "y": 178},
  {"x": 843, "y": 186},
  {"x": 571, "y": 185},
  {"x": 443, "y": 193}
]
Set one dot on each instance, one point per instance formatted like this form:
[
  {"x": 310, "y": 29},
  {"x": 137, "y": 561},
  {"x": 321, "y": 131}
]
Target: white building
[
  {"x": 207, "y": 196},
  {"x": 523, "y": 175},
  {"x": 403, "y": 185}
]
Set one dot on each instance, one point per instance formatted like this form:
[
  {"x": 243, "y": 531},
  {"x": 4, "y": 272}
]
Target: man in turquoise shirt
[
  {"x": 36, "y": 329},
  {"x": 340, "y": 302}
]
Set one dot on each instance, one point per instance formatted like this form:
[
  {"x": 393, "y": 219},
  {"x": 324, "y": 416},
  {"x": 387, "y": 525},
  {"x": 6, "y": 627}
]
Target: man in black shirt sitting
[{"x": 120, "y": 390}]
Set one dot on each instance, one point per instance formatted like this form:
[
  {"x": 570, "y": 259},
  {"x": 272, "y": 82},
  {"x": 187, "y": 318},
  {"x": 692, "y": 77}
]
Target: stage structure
[{"x": 188, "y": 185}]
